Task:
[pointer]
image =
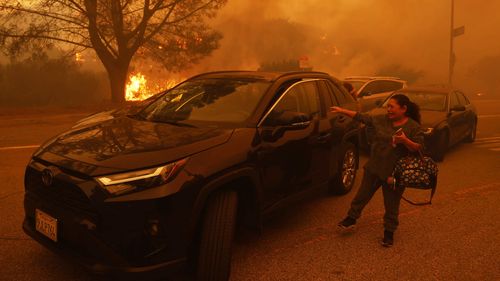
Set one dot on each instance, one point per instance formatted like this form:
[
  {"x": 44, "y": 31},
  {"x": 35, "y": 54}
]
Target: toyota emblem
[{"x": 47, "y": 177}]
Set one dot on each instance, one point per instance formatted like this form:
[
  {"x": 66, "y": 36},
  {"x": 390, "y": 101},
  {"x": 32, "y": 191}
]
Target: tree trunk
[{"x": 117, "y": 79}]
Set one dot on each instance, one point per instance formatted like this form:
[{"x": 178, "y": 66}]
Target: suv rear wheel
[
  {"x": 214, "y": 260},
  {"x": 343, "y": 182}
]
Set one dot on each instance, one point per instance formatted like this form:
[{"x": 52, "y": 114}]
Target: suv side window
[
  {"x": 381, "y": 86},
  {"x": 390, "y": 86},
  {"x": 342, "y": 97},
  {"x": 327, "y": 94},
  {"x": 325, "y": 97},
  {"x": 302, "y": 97},
  {"x": 371, "y": 88}
]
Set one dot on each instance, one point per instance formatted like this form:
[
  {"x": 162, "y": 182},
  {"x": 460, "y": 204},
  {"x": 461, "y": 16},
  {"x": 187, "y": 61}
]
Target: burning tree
[{"x": 171, "y": 32}]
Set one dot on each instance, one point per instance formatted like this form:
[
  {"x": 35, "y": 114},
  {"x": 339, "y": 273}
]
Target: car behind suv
[
  {"x": 371, "y": 91},
  {"x": 167, "y": 186}
]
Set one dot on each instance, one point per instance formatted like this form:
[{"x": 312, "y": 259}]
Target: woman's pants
[{"x": 369, "y": 186}]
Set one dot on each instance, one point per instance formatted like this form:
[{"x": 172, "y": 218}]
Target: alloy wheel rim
[{"x": 348, "y": 168}]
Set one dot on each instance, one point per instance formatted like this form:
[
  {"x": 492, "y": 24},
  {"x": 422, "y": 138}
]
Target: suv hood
[{"x": 123, "y": 143}]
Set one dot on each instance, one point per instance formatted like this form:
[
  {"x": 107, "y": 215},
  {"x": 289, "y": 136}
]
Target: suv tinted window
[
  {"x": 341, "y": 96},
  {"x": 390, "y": 86},
  {"x": 302, "y": 97},
  {"x": 381, "y": 86},
  {"x": 327, "y": 94}
]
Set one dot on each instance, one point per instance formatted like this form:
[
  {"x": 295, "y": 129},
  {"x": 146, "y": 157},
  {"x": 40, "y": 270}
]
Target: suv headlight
[{"x": 117, "y": 184}]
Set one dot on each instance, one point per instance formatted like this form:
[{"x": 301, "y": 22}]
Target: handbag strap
[
  {"x": 421, "y": 154},
  {"x": 433, "y": 190}
]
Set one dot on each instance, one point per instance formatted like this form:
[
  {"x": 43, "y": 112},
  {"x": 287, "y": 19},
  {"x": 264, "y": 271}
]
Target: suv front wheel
[
  {"x": 214, "y": 261},
  {"x": 343, "y": 181}
]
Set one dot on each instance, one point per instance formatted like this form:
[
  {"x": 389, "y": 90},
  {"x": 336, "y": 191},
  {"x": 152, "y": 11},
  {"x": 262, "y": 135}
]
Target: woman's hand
[
  {"x": 400, "y": 138},
  {"x": 403, "y": 139},
  {"x": 336, "y": 109}
]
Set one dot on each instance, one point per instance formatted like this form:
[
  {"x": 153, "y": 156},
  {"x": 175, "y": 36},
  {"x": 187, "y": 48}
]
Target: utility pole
[
  {"x": 454, "y": 32},
  {"x": 452, "y": 36}
]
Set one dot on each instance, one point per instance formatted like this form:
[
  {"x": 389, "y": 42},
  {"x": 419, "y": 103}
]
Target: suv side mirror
[
  {"x": 278, "y": 124},
  {"x": 289, "y": 119},
  {"x": 458, "y": 107}
]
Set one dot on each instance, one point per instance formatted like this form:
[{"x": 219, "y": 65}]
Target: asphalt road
[{"x": 456, "y": 238}]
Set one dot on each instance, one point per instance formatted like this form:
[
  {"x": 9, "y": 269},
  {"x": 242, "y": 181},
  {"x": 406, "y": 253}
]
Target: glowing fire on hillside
[{"x": 138, "y": 88}]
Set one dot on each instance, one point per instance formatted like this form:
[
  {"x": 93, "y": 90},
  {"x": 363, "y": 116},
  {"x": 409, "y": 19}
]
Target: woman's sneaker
[
  {"x": 388, "y": 240},
  {"x": 347, "y": 223}
]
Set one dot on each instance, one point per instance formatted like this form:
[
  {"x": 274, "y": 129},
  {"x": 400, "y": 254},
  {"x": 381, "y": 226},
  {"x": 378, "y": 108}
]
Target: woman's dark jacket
[{"x": 383, "y": 155}]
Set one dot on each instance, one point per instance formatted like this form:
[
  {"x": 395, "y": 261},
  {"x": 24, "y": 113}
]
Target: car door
[
  {"x": 469, "y": 115},
  {"x": 337, "y": 123},
  {"x": 326, "y": 137},
  {"x": 456, "y": 119},
  {"x": 285, "y": 156}
]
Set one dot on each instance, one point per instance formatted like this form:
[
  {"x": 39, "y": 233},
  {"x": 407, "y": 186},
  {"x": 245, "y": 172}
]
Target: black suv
[{"x": 167, "y": 186}]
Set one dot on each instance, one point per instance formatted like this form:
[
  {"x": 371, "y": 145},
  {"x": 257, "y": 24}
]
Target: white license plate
[{"x": 46, "y": 225}]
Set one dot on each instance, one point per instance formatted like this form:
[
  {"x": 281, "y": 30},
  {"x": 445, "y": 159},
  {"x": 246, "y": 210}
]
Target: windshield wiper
[
  {"x": 173, "y": 122},
  {"x": 136, "y": 116}
]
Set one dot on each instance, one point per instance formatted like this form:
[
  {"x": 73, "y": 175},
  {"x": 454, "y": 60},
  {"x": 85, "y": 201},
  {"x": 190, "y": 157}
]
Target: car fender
[
  {"x": 442, "y": 127},
  {"x": 219, "y": 183}
]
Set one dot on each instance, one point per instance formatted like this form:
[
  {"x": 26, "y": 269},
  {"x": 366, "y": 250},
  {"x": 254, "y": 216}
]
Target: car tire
[
  {"x": 441, "y": 146},
  {"x": 217, "y": 233},
  {"x": 471, "y": 137},
  {"x": 345, "y": 177}
]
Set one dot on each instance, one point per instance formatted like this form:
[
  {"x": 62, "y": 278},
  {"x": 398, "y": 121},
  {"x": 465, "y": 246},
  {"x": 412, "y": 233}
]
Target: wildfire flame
[
  {"x": 79, "y": 57},
  {"x": 138, "y": 88}
]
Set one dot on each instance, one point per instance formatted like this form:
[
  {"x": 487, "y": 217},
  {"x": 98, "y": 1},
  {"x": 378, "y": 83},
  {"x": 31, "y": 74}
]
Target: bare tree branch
[
  {"x": 63, "y": 18},
  {"x": 171, "y": 31},
  {"x": 49, "y": 38}
]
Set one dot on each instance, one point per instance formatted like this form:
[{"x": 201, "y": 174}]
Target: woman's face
[{"x": 394, "y": 110}]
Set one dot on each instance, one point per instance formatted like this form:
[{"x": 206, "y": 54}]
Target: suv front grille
[{"x": 62, "y": 193}]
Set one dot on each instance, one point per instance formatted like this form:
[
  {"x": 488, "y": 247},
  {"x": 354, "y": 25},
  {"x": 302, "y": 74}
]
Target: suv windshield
[{"x": 211, "y": 100}]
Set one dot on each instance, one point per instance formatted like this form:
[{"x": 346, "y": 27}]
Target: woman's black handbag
[{"x": 416, "y": 171}]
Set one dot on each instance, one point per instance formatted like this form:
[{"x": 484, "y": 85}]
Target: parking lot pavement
[{"x": 456, "y": 238}]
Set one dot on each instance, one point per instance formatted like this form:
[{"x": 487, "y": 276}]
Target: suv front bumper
[
  {"x": 97, "y": 267},
  {"x": 86, "y": 239}
]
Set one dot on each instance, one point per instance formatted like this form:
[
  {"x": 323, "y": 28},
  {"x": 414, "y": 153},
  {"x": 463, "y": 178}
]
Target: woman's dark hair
[{"x": 412, "y": 109}]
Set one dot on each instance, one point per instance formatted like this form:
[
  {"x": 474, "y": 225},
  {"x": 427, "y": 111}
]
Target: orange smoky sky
[{"x": 357, "y": 37}]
